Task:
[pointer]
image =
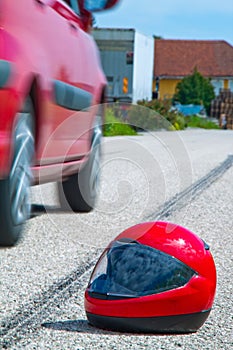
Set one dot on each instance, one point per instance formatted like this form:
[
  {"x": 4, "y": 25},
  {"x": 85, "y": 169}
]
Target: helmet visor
[{"x": 131, "y": 270}]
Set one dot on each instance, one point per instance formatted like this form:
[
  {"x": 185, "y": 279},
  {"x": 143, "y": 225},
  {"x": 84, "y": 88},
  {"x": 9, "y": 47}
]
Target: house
[{"x": 176, "y": 59}]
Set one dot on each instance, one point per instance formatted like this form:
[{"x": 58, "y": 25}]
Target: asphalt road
[{"x": 182, "y": 177}]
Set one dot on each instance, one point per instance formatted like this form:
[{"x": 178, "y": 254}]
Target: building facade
[
  {"x": 127, "y": 58},
  {"x": 176, "y": 59}
]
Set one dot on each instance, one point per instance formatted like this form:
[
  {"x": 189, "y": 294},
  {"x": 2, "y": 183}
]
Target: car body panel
[{"x": 43, "y": 46}]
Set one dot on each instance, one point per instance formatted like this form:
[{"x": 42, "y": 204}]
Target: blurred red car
[{"x": 51, "y": 87}]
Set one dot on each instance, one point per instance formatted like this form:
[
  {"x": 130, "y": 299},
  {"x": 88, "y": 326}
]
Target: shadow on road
[
  {"x": 83, "y": 326},
  {"x": 80, "y": 326},
  {"x": 39, "y": 209}
]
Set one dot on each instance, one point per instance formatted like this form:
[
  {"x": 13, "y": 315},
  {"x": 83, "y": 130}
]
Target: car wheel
[
  {"x": 14, "y": 190},
  {"x": 79, "y": 191}
]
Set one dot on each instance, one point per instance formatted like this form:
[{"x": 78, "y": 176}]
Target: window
[
  {"x": 110, "y": 79},
  {"x": 73, "y": 4},
  {"x": 129, "y": 57},
  {"x": 75, "y": 7}
]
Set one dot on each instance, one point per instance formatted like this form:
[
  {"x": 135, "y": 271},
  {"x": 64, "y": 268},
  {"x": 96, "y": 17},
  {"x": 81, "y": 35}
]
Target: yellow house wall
[{"x": 167, "y": 88}]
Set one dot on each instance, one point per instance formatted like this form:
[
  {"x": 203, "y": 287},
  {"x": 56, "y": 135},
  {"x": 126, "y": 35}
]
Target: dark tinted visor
[{"x": 130, "y": 270}]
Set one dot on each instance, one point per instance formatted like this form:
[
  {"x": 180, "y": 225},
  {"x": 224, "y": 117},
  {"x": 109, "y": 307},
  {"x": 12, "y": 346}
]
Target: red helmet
[{"x": 153, "y": 277}]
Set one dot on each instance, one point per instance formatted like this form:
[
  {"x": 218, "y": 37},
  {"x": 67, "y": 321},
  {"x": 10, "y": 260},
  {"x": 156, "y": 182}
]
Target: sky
[{"x": 173, "y": 19}]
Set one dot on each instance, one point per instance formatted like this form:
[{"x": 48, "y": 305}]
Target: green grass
[
  {"x": 198, "y": 122},
  {"x": 113, "y": 127}
]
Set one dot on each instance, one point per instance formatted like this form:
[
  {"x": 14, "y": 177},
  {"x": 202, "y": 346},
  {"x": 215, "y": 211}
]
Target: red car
[{"x": 51, "y": 87}]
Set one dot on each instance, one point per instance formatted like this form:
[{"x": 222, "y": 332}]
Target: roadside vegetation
[
  {"x": 150, "y": 115},
  {"x": 198, "y": 122},
  {"x": 114, "y": 126},
  {"x": 161, "y": 113}
]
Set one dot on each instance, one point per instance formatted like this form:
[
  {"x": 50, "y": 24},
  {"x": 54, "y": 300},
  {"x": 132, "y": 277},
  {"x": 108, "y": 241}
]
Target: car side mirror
[{"x": 98, "y": 5}]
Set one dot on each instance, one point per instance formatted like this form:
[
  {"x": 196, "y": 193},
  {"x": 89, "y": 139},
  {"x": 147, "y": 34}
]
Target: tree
[{"x": 195, "y": 89}]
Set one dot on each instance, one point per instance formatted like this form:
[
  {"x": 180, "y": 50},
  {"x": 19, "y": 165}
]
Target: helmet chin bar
[{"x": 187, "y": 323}]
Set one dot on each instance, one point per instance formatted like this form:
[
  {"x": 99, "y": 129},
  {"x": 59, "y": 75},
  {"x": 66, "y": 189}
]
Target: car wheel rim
[
  {"x": 20, "y": 175},
  {"x": 94, "y": 178},
  {"x": 95, "y": 169}
]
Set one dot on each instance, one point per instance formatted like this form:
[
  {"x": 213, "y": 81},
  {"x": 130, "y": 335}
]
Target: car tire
[
  {"x": 79, "y": 192},
  {"x": 15, "y": 189}
]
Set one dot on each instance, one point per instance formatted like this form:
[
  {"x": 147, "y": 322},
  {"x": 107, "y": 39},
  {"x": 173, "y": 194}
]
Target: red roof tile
[{"x": 178, "y": 58}]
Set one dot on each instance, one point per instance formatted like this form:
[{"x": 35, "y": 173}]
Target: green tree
[{"x": 195, "y": 89}]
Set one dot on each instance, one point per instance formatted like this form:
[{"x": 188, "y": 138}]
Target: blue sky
[{"x": 174, "y": 19}]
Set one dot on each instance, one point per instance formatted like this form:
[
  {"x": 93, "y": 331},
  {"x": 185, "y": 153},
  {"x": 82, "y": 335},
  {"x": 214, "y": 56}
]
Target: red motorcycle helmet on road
[{"x": 154, "y": 277}]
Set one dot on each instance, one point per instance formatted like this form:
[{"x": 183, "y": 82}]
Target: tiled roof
[{"x": 178, "y": 58}]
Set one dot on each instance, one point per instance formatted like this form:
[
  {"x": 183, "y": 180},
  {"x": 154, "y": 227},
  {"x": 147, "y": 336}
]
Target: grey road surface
[{"x": 183, "y": 177}]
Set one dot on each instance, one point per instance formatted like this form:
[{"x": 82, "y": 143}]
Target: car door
[{"x": 68, "y": 119}]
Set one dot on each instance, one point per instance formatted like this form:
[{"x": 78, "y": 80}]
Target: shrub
[
  {"x": 195, "y": 89},
  {"x": 115, "y": 126},
  {"x": 156, "y": 115}
]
